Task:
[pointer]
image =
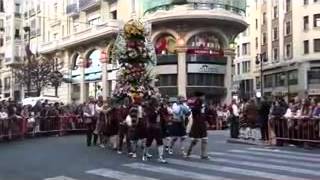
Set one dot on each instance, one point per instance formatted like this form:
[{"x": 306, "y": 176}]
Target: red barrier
[
  {"x": 303, "y": 129},
  {"x": 19, "y": 127}
]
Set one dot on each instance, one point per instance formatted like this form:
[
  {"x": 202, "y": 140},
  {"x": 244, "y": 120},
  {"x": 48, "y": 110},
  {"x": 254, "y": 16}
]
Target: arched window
[
  {"x": 93, "y": 61},
  {"x": 205, "y": 40},
  {"x": 165, "y": 45},
  {"x": 206, "y": 43},
  {"x": 75, "y": 62}
]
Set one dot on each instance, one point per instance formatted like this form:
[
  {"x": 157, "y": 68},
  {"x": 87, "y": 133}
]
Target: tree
[{"x": 39, "y": 72}]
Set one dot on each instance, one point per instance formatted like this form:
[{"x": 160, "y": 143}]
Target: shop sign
[
  {"x": 203, "y": 51},
  {"x": 206, "y": 68},
  {"x": 314, "y": 92}
]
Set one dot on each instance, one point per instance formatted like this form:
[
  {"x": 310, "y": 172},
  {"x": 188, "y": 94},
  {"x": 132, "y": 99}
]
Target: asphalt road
[{"x": 67, "y": 158}]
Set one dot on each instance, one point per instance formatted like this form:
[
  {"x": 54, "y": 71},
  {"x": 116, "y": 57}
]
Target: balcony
[
  {"x": 72, "y": 10},
  {"x": 92, "y": 33},
  {"x": 85, "y": 5},
  {"x": 232, "y": 11}
]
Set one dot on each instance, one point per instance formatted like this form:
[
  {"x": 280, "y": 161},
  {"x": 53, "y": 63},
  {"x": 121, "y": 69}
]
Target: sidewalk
[{"x": 246, "y": 142}]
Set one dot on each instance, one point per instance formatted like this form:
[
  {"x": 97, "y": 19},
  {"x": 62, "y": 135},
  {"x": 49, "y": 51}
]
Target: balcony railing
[
  {"x": 87, "y": 4},
  {"x": 110, "y": 27},
  {"x": 234, "y": 6},
  {"x": 167, "y": 59},
  {"x": 72, "y": 9}
]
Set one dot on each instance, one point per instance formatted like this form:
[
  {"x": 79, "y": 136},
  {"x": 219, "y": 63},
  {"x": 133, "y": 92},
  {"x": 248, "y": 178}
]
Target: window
[
  {"x": 275, "y": 54},
  {"x": 113, "y": 14},
  {"x": 205, "y": 79},
  {"x": 288, "y": 28},
  {"x": 55, "y": 8},
  {"x": 293, "y": 77},
  {"x": 264, "y": 18},
  {"x": 306, "y": 46},
  {"x": 246, "y": 66},
  {"x": 275, "y": 12},
  {"x": 1, "y": 25},
  {"x": 264, "y": 38},
  {"x": 7, "y": 83},
  {"x": 306, "y": 22},
  {"x": 1, "y": 6},
  {"x": 55, "y": 36},
  {"x": 257, "y": 42},
  {"x": 75, "y": 25},
  {"x": 168, "y": 80},
  {"x": 245, "y": 49},
  {"x": 1, "y": 41},
  {"x": 238, "y": 68},
  {"x": 256, "y": 23},
  {"x": 306, "y": 2},
  {"x": 238, "y": 50},
  {"x": 17, "y": 34},
  {"x": 268, "y": 81},
  {"x": 275, "y": 33},
  {"x": 288, "y": 50},
  {"x": 288, "y": 5},
  {"x": 17, "y": 8},
  {"x": 280, "y": 79},
  {"x": 258, "y": 83},
  {"x": 94, "y": 21},
  {"x": 316, "y": 20},
  {"x": 316, "y": 45}
]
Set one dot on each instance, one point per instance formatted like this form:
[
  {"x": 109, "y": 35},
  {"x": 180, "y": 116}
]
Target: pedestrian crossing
[{"x": 233, "y": 164}]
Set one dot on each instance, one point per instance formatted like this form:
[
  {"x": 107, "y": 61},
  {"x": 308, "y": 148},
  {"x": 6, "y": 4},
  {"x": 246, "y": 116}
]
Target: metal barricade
[
  {"x": 302, "y": 129},
  {"x": 19, "y": 127},
  {"x": 11, "y": 128}
]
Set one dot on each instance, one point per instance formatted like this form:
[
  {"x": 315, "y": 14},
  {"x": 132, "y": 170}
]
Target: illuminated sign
[{"x": 206, "y": 68}]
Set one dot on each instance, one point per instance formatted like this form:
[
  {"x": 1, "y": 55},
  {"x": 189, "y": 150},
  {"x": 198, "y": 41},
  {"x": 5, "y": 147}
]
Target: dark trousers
[
  {"x": 234, "y": 127},
  {"x": 90, "y": 128},
  {"x": 123, "y": 133},
  {"x": 154, "y": 133},
  {"x": 264, "y": 131}
]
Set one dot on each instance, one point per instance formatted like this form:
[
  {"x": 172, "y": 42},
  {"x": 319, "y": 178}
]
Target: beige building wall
[{"x": 293, "y": 63}]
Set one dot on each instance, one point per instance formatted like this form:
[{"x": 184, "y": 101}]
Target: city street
[{"x": 67, "y": 158}]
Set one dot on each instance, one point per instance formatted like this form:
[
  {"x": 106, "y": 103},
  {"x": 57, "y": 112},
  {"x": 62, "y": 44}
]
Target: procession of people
[{"x": 139, "y": 122}]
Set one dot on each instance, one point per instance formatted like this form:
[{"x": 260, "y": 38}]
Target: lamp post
[
  {"x": 260, "y": 59},
  {"x": 27, "y": 30}
]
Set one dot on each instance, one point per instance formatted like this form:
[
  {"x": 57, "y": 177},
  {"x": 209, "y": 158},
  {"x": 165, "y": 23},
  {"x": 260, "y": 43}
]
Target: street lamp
[
  {"x": 260, "y": 59},
  {"x": 27, "y": 49}
]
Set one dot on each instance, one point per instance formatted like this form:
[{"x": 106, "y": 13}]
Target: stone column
[
  {"x": 182, "y": 71},
  {"x": 83, "y": 88},
  {"x": 105, "y": 84},
  {"x": 303, "y": 86},
  {"x": 68, "y": 64},
  {"x": 12, "y": 85},
  {"x": 229, "y": 53}
]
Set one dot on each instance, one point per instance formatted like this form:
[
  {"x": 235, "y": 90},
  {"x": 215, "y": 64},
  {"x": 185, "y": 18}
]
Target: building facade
[
  {"x": 284, "y": 35},
  {"x": 191, "y": 39}
]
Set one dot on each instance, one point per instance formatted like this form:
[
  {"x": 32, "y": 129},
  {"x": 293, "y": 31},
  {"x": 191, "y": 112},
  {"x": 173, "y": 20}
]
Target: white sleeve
[
  {"x": 288, "y": 113},
  {"x": 128, "y": 120},
  {"x": 175, "y": 108},
  {"x": 189, "y": 125}
]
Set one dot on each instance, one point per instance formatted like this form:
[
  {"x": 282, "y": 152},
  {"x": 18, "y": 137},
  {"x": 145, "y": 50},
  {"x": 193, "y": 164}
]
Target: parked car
[{"x": 33, "y": 100}]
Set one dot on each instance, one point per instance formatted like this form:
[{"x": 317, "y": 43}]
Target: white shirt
[
  {"x": 235, "y": 109},
  {"x": 3, "y": 115}
]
